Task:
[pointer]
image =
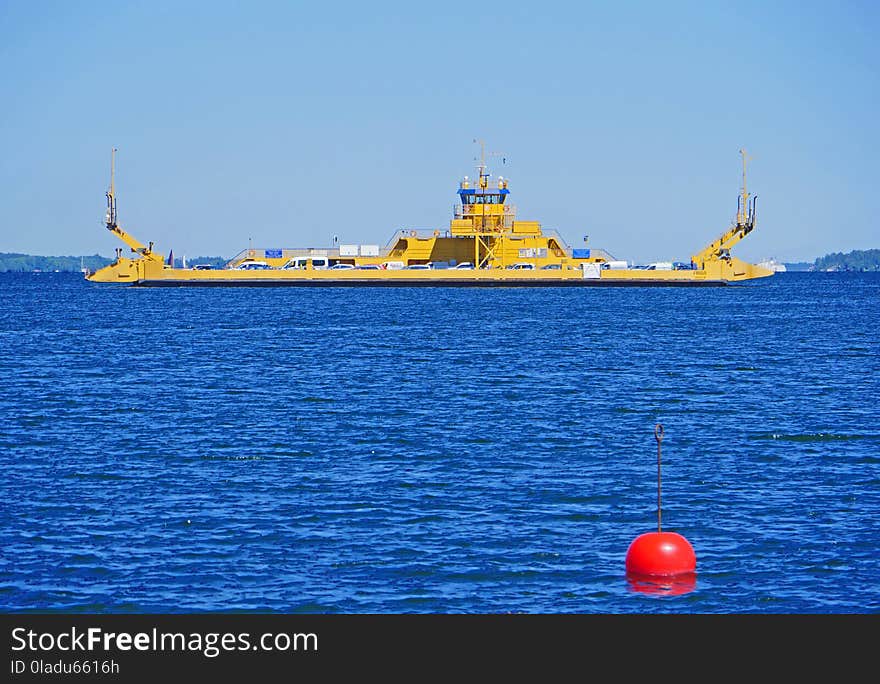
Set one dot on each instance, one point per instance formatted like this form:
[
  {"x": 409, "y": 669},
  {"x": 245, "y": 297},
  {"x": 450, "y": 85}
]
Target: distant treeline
[
  {"x": 20, "y": 263},
  {"x": 29, "y": 262},
  {"x": 857, "y": 260}
]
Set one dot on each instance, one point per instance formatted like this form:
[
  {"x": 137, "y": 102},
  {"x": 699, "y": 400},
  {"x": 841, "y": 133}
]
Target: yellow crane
[
  {"x": 745, "y": 223},
  {"x": 113, "y": 226}
]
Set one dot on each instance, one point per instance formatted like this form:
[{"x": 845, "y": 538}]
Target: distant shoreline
[{"x": 29, "y": 263}]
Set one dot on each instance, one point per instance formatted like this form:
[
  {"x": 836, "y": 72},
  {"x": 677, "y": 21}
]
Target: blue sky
[{"x": 288, "y": 122}]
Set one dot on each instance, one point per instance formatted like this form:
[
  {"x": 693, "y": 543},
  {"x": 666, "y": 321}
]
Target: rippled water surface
[{"x": 437, "y": 450}]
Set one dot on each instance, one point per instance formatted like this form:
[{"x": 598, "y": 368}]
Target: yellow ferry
[{"x": 484, "y": 245}]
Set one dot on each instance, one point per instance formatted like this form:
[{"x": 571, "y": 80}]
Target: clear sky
[{"x": 290, "y": 122}]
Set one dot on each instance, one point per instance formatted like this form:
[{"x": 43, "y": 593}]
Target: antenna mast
[
  {"x": 743, "y": 209},
  {"x": 111, "y": 193},
  {"x": 483, "y": 172},
  {"x": 481, "y": 169}
]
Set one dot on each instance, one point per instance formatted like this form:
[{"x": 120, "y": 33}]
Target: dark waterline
[{"x": 437, "y": 449}]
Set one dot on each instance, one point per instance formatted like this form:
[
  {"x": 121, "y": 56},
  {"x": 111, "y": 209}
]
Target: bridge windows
[{"x": 482, "y": 199}]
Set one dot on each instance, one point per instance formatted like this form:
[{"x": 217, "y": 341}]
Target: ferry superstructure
[{"x": 485, "y": 244}]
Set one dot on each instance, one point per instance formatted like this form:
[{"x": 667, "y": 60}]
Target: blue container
[{"x": 580, "y": 253}]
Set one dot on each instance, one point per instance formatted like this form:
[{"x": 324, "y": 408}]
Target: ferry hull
[
  {"x": 145, "y": 273},
  {"x": 437, "y": 282}
]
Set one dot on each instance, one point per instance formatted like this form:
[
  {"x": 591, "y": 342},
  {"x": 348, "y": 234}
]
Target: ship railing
[
  {"x": 595, "y": 253},
  {"x": 461, "y": 211},
  {"x": 555, "y": 234},
  {"x": 260, "y": 253},
  {"x": 422, "y": 233},
  {"x": 599, "y": 253}
]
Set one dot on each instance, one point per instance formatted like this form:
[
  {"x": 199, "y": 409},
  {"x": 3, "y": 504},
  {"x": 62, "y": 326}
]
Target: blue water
[{"x": 437, "y": 450}]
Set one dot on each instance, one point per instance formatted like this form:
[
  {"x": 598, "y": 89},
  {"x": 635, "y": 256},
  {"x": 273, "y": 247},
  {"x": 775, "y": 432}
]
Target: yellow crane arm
[
  {"x": 136, "y": 246},
  {"x": 720, "y": 248}
]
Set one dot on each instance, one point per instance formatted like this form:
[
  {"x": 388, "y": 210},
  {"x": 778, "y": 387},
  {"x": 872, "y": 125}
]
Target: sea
[{"x": 438, "y": 450}]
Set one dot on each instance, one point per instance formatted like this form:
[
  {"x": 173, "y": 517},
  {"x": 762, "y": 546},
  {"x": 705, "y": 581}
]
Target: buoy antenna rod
[
  {"x": 661, "y": 554},
  {"x": 658, "y": 435}
]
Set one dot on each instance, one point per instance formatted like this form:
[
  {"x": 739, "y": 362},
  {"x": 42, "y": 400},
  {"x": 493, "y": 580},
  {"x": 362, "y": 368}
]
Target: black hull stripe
[{"x": 430, "y": 283}]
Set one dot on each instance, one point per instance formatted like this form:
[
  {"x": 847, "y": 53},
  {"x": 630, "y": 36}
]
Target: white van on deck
[{"x": 319, "y": 263}]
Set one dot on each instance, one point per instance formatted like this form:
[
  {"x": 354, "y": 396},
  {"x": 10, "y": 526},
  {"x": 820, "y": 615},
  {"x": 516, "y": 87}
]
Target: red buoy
[
  {"x": 674, "y": 585},
  {"x": 660, "y": 554}
]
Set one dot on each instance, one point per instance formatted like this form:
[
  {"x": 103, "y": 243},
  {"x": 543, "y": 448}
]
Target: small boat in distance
[
  {"x": 772, "y": 265},
  {"x": 485, "y": 244}
]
